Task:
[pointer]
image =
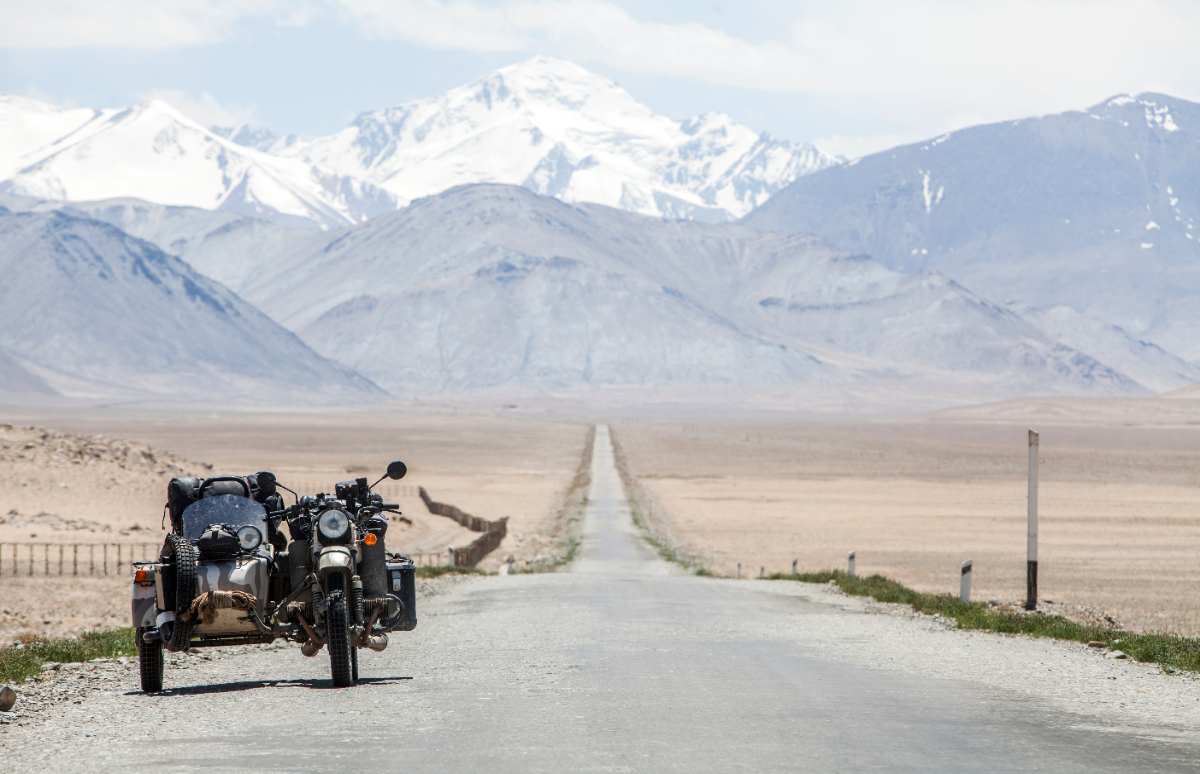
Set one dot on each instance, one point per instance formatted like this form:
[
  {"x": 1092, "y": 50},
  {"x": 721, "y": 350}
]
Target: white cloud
[
  {"x": 931, "y": 58},
  {"x": 133, "y": 24},
  {"x": 857, "y": 46},
  {"x": 204, "y": 108},
  {"x": 904, "y": 70}
]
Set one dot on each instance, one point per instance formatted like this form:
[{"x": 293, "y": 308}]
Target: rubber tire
[
  {"x": 150, "y": 663},
  {"x": 337, "y": 635},
  {"x": 354, "y": 663},
  {"x": 185, "y": 557}
]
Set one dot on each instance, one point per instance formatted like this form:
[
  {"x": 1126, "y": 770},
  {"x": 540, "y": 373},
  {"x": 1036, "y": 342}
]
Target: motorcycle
[
  {"x": 227, "y": 576},
  {"x": 347, "y": 592}
]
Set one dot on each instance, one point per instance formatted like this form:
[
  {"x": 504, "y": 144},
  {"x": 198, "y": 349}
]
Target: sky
[{"x": 853, "y": 76}]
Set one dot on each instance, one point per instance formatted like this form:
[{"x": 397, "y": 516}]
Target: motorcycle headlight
[
  {"x": 249, "y": 538},
  {"x": 334, "y": 525}
]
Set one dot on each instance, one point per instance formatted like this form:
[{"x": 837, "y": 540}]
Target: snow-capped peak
[
  {"x": 544, "y": 123},
  {"x": 559, "y": 129},
  {"x": 153, "y": 151}
]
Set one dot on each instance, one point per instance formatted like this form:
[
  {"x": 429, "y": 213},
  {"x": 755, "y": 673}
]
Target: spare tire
[{"x": 181, "y": 555}]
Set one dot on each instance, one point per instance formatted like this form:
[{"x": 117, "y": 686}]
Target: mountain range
[
  {"x": 1096, "y": 209},
  {"x": 547, "y": 124},
  {"x": 540, "y": 230},
  {"x": 87, "y": 310}
]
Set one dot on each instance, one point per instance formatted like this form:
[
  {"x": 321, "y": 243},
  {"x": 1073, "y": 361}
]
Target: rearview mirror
[{"x": 397, "y": 470}]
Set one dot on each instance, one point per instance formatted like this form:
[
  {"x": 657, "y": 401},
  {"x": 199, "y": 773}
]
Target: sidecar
[{"x": 212, "y": 584}]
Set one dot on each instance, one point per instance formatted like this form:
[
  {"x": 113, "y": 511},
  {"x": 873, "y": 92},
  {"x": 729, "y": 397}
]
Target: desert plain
[
  {"x": 98, "y": 476},
  {"x": 912, "y": 496},
  {"x": 1119, "y": 521}
]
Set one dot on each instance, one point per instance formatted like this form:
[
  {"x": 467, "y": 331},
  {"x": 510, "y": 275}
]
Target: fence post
[
  {"x": 75, "y": 559},
  {"x": 762, "y": 572},
  {"x": 91, "y": 558},
  {"x": 60, "y": 558},
  {"x": 16, "y": 564},
  {"x": 1031, "y": 548},
  {"x": 45, "y": 558},
  {"x": 104, "y": 548},
  {"x": 850, "y": 568},
  {"x": 794, "y": 566},
  {"x": 31, "y": 560},
  {"x": 964, "y": 584},
  {"x": 739, "y": 569},
  {"x": 1, "y": 558}
]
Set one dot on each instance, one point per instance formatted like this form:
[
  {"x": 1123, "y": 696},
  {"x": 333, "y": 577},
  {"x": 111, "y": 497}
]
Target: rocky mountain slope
[
  {"x": 494, "y": 285},
  {"x": 1093, "y": 209},
  {"x": 92, "y": 311}
]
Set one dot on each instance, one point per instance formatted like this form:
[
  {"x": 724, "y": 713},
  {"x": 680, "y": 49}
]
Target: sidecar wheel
[
  {"x": 338, "y": 633},
  {"x": 150, "y": 663}
]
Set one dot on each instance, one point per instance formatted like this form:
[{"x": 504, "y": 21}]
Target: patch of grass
[
  {"x": 1166, "y": 649},
  {"x": 445, "y": 569},
  {"x": 16, "y": 664}
]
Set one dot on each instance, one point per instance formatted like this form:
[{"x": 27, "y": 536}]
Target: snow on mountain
[
  {"x": 1098, "y": 210},
  {"x": 151, "y": 151},
  {"x": 259, "y": 138},
  {"x": 563, "y": 131},
  {"x": 94, "y": 312},
  {"x": 492, "y": 285},
  {"x": 27, "y": 125}
]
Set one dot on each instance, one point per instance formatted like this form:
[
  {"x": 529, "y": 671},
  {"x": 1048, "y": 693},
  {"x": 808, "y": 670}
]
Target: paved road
[{"x": 622, "y": 664}]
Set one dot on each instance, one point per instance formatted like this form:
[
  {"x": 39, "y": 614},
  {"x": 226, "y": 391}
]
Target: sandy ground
[
  {"x": 1120, "y": 500},
  {"x": 99, "y": 476}
]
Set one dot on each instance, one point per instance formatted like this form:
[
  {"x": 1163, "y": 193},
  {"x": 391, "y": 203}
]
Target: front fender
[{"x": 335, "y": 558}]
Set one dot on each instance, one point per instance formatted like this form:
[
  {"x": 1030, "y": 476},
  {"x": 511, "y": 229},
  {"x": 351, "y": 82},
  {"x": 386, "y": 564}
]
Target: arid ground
[
  {"x": 99, "y": 476},
  {"x": 1120, "y": 500}
]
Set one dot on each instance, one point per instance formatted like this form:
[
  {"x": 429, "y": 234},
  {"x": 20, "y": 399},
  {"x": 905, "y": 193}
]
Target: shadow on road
[{"x": 249, "y": 685}]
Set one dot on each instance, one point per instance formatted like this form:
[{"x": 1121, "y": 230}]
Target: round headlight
[
  {"x": 249, "y": 538},
  {"x": 334, "y": 525}
]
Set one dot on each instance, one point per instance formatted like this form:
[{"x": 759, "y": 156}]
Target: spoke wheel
[{"x": 337, "y": 632}]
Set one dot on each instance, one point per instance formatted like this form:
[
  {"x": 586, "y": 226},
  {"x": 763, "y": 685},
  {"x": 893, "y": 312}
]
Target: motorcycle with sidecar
[{"x": 227, "y": 575}]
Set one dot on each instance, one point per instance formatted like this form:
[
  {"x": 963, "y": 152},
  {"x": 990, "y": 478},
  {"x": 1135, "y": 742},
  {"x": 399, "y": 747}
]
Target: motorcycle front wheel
[
  {"x": 150, "y": 662},
  {"x": 339, "y": 645}
]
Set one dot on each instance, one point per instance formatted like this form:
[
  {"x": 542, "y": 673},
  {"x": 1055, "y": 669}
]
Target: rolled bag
[{"x": 226, "y": 592}]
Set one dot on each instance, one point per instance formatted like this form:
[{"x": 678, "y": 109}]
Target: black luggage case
[{"x": 402, "y": 581}]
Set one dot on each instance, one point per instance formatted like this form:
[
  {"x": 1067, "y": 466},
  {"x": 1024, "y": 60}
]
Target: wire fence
[
  {"x": 26, "y": 559},
  {"x": 70, "y": 559}
]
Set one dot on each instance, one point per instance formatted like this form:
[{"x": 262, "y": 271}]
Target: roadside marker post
[
  {"x": 739, "y": 569},
  {"x": 964, "y": 584},
  {"x": 1031, "y": 549},
  {"x": 850, "y": 564},
  {"x": 794, "y": 566}
]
